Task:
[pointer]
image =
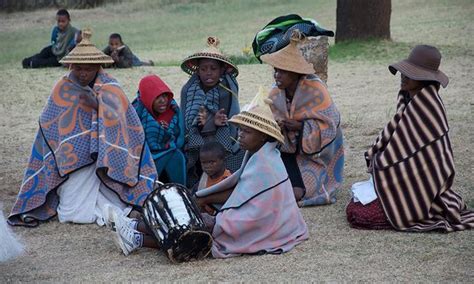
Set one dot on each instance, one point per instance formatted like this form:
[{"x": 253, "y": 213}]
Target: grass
[
  {"x": 359, "y": 82},
  {"x": 167, "y": 31}
]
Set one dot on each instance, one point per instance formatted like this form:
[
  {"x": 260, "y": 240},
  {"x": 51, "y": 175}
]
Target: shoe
[
  {"x": 108, "y": 217},
  {"x": 126, "y": 238}
]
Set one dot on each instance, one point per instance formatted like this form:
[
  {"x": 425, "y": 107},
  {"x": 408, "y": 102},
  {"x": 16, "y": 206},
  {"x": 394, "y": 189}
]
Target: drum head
[{"x": 192, "y": 245}]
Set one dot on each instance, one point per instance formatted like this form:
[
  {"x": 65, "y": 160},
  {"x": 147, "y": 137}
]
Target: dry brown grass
[{"x": 365, "y": 93}]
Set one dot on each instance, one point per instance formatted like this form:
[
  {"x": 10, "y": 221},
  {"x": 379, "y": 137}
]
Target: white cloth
[
  {"x": 83, "y": 196},
  {"x": 364, "y": 191},
  {"x": 10, "y": 247}
]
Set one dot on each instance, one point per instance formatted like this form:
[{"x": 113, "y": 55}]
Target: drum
[{"x": 174, "y": 219}]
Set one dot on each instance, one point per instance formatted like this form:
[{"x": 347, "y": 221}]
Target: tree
[{"x": 363, "y": 19}]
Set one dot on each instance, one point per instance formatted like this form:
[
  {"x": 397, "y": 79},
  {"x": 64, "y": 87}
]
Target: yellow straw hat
[
  {"x": 86, "y": 52},
  {"x": 259, "y": 116},
  {"x": 290, "y": 57},
  {"x": 191, "y": 63}
]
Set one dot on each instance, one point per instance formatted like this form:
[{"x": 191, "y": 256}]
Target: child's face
[
  {"x": 160, "y": 104},
  {"x": 62, "y": 22},
  {"x": 209, "y": 72},
  {"x": 251, "y": 139},
  {"x": 285, "y": 79},
  {"x": 407, "y": 84},
  {"x": 114, "y": 43},
  {"x": 85, "y": 73},
  {"x": 211, "y": 163}
]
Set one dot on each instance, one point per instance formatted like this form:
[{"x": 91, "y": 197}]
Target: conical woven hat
[
  {"x": 86, "y": 52},
  {"x": 191, "y": 63},
  {"x": 259, "y": 116},
  {"x": 290, "y": 57}
]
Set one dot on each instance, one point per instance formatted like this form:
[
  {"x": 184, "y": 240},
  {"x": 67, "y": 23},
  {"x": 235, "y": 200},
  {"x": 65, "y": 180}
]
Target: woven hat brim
[
  {"x": 247, "y": 119},
  {"x": 190, "y": 64},
  {"x": 289, "y": 62},
  {"x": 86, "y": 60},
  {"x": 418, "y": 73}
]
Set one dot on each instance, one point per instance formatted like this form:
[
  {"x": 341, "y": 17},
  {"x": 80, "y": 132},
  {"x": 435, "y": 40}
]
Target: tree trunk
[
  {"x": 363, "y": 19},
  {"x": 315, "y": 51}
]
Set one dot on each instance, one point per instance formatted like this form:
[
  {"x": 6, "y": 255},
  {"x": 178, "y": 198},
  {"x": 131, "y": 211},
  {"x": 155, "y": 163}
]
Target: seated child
[
  {"x": 212, "y": 156},
  {"x": 62, "y": 41},
  {"x": 207, "y": 100},
  {"x": 164, "y": 127},
  {"x": 259, "y": 213},
  {"x": 122, "y": 55}
]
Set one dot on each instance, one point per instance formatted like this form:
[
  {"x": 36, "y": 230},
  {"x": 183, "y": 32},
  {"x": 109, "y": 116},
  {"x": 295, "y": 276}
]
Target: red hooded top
[{"x": 150, "y": 88}]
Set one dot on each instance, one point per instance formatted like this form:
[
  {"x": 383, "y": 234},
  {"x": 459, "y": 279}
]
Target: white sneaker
[
  {"x": 109, "y": 211},
  {"x": 126, "y": 237},
  {"x": 107, "y": 216}
]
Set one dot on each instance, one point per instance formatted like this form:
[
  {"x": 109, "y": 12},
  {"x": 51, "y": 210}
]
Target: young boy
[
  {"x": 62, "y": 41},
  {"x": 212, "y": 156},
  {"x": 122, "y": 55},
  {"x": 207, "y": 100}
]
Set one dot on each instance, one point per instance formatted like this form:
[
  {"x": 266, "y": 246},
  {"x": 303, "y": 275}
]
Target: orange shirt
[{"x": 211, "y": 182}]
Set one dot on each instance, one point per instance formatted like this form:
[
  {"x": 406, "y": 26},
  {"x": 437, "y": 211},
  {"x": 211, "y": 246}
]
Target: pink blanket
[{"x": 261, "y": 215}]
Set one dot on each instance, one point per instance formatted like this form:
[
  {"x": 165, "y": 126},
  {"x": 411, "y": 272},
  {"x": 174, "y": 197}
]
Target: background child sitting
[
  {"x": 62, "y": 41},
  {"x": 212, "y": 156},
  {"x": 164, "y": 128},
  {"x": 122, "y": 55}
]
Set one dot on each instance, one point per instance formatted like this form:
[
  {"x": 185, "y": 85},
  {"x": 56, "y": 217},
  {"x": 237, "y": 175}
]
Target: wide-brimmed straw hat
[
  {"x": 86, "y": 53},
  {"x": 290, "y": 58},
  {"x": 258, "y": 115},
  {"x": 422, "y": 65},
  {"x": 191, "y": 63}
]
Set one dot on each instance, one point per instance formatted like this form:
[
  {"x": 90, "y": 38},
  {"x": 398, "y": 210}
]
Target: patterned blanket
[
  {"x": 261, "y": 215},
  {"x": 73, "y": 135},
  {"x": 160, "y": 140},
  {"x": 412, "y": 166},
  {"x": 319, "y": 145}
]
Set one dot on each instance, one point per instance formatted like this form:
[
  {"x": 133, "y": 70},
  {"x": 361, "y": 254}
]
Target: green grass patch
[{"x": 369, "y": 50}]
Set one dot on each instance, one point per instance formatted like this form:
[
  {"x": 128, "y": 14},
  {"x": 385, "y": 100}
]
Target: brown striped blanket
[{"x": 412, "y": 166}]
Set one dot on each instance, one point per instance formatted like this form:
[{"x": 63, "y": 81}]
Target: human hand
[
  {"x": 202, "y": 116},
  {"x": 281, "y": 124},
  {"x": 203, "y": 206},
  {"x": 293, "y": 125},
  {"x": 88, "y": 100},
  {"x": 164, "y": 124},
  {"x": 220, "y": 119},
  {"x": 114, "y": 55}
]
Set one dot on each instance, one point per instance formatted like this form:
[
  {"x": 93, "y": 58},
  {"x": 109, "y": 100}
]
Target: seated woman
[
  {"x": 258, "y": 213},
  {"x": 207, "y": 100},
  {"x": 411, "y": 161},
  {"x": 90, "y": 150},
  {"x": 313, "y": 151},
  {"x": 164, "y": 128}
]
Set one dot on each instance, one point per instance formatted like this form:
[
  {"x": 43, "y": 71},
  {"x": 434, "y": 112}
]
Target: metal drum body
[{"x": 175, "y": 221}]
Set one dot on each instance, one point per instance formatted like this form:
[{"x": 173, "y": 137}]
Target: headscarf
[{"x": 151, "y": 87}]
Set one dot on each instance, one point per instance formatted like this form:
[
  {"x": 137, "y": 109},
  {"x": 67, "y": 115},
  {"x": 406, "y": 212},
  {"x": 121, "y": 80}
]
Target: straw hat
[
  {"x": 422, "y": 65},
  {"x": 290, "y": 57},
  {"x": 259, "y": 116},
  {"x": 191, "y": 63},
  {"x": 86, "y": 52}
]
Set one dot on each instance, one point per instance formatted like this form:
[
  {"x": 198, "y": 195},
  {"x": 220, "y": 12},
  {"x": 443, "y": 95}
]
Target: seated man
[{"x": 90, "y": 150}]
